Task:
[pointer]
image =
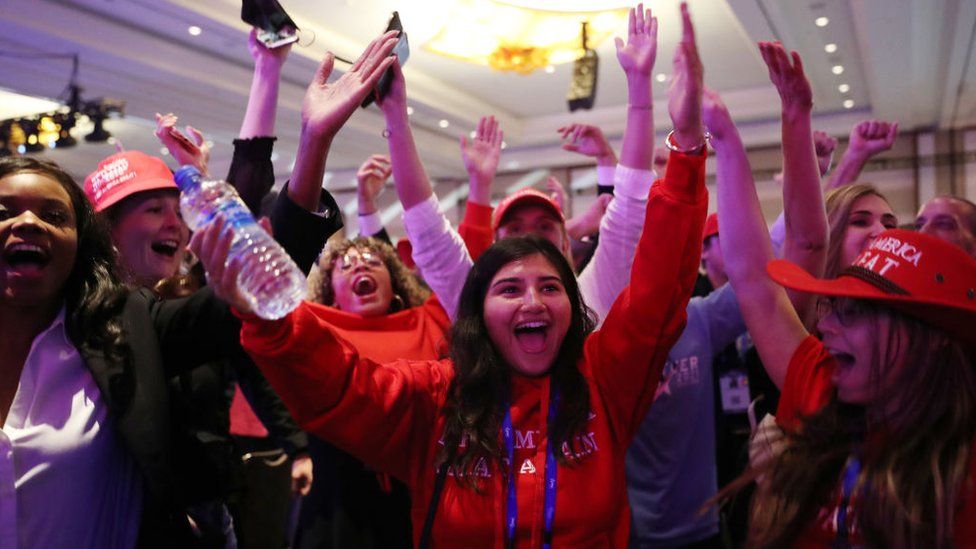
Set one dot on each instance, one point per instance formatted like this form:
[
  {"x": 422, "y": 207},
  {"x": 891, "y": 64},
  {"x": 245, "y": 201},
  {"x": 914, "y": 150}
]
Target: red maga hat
[
  {"x": 125, "y": 174},
  {"x": 711, "y": 227},
  {"x": 525, "y": 197},
  {"x": 917, "y": 274}
]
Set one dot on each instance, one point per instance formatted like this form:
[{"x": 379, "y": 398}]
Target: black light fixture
[
  {"x": 65, "y": 122},
  {"x": 582, "y": 89},
  {"x": 99, "y": 134},
  {"x": 98, "y": 110}
]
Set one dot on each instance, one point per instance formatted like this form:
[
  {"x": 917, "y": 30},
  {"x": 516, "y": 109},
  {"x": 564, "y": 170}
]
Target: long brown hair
[
  {"x": 478, "y": 392},
  {"x": 838, "y": 204},
  {"x": 914, "y": 442}
]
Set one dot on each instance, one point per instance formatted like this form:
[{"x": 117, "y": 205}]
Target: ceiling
[{"x": 904, "y": 60}]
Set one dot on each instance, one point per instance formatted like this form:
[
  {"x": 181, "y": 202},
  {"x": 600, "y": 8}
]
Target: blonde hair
[
  {"x": 405, "y": 284},
  {"x": 839, "y": 203}
]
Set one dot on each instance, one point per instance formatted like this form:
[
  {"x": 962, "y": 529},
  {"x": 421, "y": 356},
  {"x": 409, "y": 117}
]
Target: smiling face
[
  {"x": 38, "y": 239},
  {"x": 361, "y": 283},
  {"x": 150, "y": 234},
  {"x": 537, "y": 220},
  {"x": 527, "y": 314},
  {"x": 949, "y": 219},
  {"x": 870, "y": 215}
]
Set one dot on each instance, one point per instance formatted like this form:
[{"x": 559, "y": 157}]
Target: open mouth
[
  {"x": 26, "y": 258},
  {"x": 363, "y": 285},
  {"x": 532, "y": 335},
  {"x": 168, "y": 247},
  {"x": 844, "y": 360}
]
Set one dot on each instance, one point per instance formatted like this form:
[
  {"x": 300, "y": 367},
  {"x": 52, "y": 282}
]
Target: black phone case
[
  {"x": 385, "y": 81},
  {"x": 266, "y": 14}
]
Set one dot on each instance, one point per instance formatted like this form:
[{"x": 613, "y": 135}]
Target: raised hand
[
  {"x": 786, "y": 73},
  {"x": 394, "y": 103},
  {"x": 824, "y": 145},
  {"x": 194, "y": 152},
  {"x": 588, "y": 223},
  {"x": 211, "y": 244},
  {"x": 637, "y": 56},
  {"x": 327, "y": 106},
  {"x": 557, "y": 192},
  {"x": 480, "y": 155},
  {"x": 370, "y": 179},
  {"x": 716, "y": 116},
  {"x": 589, "y": 141},
  {"x": 872, "y": 137},
  {"x": 685, "y": 93},
  {"x": 265, "y": 55}
]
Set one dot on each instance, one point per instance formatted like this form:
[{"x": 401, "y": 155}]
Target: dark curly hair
[
  {"x": 404, "y": 282},
  {"x": 93, "y": 294},
  {"x": 477, "y": 395}
]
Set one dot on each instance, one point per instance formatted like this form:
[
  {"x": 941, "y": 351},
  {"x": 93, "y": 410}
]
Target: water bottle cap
[{"x": 185, "y": 176}]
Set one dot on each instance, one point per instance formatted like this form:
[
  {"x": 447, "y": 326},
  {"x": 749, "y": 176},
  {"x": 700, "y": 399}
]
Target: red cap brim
[{"x": 949, "y": 316}]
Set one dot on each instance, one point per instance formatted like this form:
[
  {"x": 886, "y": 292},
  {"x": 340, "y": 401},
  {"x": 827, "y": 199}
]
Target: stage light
[
  {"x": 98, "y": 134},
  {"x": 65, "y": 122}
]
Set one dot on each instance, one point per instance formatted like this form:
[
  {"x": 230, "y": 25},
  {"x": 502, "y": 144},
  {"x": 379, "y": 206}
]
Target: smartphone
[
  {"x": 275, "y": 27},
  {"x": 402, "y": 52},
  {"x": 276, "y": 39}
]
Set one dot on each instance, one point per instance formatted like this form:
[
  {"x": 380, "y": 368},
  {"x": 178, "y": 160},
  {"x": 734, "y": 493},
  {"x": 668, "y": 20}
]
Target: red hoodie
[{"x": 389, "y": 415}]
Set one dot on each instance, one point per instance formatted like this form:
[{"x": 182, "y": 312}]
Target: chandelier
[{"x": 522, "y": 35}]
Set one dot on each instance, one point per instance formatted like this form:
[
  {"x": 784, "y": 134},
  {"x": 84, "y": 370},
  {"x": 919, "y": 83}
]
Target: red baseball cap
[
  {"x": 125, "y": 174},
  {"x": 711, "y": 227},
  {"x": 917, "y": 274},
  {"x": 525, "y": 197}
]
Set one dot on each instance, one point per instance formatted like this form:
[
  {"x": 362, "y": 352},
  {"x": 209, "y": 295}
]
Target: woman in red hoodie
[{"x": 519, "y": 438}]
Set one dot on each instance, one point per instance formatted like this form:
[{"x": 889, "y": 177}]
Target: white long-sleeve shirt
[{"x": 444, "y": 261}]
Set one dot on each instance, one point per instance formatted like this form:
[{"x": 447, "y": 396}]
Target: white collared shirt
[{"x": 65, "y": 478}]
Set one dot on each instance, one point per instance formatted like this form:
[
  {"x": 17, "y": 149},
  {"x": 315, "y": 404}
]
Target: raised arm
[
  {"x": 262, "y": 103},
  {"x": 637, "y": 57},
  {"x": 868, "y": 138},
  {"x": 326, "y": 108},
  {"x": 773, "y": 323},
  {"x": 480, "y": 155},
  {"x": 371, "y": 180},
  {"x": 438, "y": 249},
  {"x": 609, "y": 271},
  {"x": 803, "y": 204},
  {"x": 628, "y": 353}
]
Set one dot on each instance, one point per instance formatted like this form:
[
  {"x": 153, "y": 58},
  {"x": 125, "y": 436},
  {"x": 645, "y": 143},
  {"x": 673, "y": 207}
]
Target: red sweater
[
  {"x": 417, "y": 333},
  {"x": 389, "y": 415},
  {"x": 809, "y": 387}
]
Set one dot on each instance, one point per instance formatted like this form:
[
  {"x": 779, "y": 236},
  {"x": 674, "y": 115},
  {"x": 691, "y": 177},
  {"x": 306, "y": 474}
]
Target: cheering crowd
[{"x": 640, "y": 375}]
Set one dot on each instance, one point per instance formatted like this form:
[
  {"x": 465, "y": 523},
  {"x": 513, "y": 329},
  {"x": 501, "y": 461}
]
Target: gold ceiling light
[{"x": 522, "y": 36}]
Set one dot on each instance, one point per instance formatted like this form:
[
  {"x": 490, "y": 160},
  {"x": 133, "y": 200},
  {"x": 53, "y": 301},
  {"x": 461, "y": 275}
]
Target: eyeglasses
[
  {"x": 848, "y": 310},
  {"x": 351, "y": 260}
]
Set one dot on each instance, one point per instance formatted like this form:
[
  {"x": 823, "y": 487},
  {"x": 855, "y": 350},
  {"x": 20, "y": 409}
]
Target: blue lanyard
[
  {"x": 549, "y": 502},
  {"x": 851, "y": 471}
]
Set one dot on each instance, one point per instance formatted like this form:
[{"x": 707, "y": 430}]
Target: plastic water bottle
[{"x": 268, "y": 279}]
